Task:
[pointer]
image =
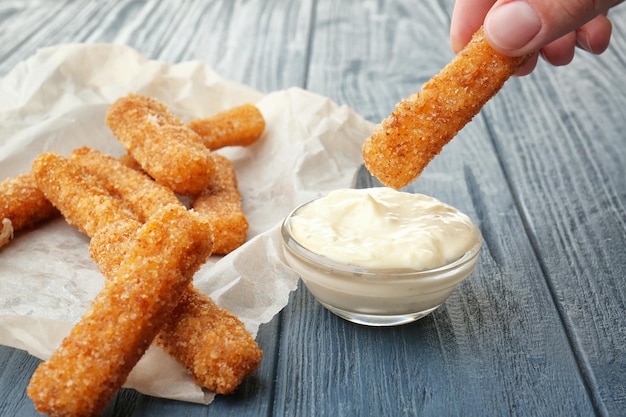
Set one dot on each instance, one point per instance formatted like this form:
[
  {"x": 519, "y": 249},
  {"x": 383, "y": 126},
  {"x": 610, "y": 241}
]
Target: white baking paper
[{"x": 56, "y": 101}]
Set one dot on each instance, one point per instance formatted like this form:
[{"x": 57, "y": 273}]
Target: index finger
[{"x": 467, "y": 17}]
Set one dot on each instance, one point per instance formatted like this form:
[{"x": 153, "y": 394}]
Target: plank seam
[{"x": 575, "y": 348}]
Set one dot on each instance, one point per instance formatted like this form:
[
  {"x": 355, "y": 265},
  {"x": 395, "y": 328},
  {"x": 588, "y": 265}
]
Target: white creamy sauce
[{"x": 383, "y": 228}]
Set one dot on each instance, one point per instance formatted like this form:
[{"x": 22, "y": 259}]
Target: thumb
[{"x": 518, "y": 27}]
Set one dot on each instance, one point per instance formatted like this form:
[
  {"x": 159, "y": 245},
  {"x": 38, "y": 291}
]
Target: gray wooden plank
[
  {"x": 563, "y": 149},
  {"x": 14, "y": 365},
  {"x": 371, "y": 55},
  {"x": 232, "y": 37},
  {"x": 33, "y": 24},
  {"x": 260, "y": 43},
  {"x": 497, "y": 346}
]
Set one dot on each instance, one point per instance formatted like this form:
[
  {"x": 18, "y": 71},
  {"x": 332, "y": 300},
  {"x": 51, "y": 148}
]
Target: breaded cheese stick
[
  {"x": 216, "y": 348},
  {"x": 209, "y": 341},
  {"x": 164, "y": 146},
  {"x": 403, "y": 144},
  {"x": 22, "y": 205},
  {"x": 213, "y": 344},
  {"x": 220, "y": 203},
  {"x": 128, "y": 160},
  {"x": 239, "y": 126},
  {"x": 93, "y": 362},
  {"x": 140, "y": 192},
  {"x": 80, "y": 197}
]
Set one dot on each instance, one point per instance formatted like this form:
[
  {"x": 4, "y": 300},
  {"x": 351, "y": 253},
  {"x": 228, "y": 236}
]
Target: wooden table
[{"x": 538, "y": 330}]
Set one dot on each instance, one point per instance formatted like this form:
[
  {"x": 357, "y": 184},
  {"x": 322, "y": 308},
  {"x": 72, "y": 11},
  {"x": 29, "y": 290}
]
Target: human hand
[{"x": 550, "y": 28}]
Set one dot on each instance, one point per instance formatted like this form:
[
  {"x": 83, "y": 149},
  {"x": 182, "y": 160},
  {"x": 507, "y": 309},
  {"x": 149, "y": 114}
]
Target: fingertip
[
  {"x": 467, "y": 18},
  {"x": 460, "y": 35},
  {"x": 561, "y": 51},
  {"x": 511, "y": 26},
  {"x": 595, "y": 36},
  {"x": 528, "y": 67},
  {"x": 456, "y": 43}
]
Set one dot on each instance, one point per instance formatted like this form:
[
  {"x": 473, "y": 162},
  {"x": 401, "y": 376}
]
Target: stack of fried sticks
[{"x": 148, "y": 245}]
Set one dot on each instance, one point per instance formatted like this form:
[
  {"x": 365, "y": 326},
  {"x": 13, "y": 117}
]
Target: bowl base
[{"x": 378, "y": 320}]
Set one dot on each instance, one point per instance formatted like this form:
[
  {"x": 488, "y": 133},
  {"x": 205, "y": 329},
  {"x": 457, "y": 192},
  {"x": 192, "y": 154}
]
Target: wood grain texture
[
  {"x": 231, "y": 37},
  {"x": 15, "y": 370},
  {"x": 559, "y": 139},
  {"x": 564, "y": 155},
  {"x": 371, "y": 54},
  {"x": 539, "y": 329}
]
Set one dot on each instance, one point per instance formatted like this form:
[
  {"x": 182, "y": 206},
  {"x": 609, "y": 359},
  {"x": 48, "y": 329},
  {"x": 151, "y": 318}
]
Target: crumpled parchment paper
[{"x": 56, "y": 101}]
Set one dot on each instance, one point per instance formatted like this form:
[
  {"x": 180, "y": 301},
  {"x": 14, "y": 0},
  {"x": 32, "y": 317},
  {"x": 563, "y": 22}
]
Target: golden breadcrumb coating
[
  {"x": 80, "y": 197},
  {"x": 239, "y": 126},
  {"x": 131, "y": 162},
  {"x": 109, "y": 245},
  {"x": 210, "y": 342},
  {"x": 220, "y": 203},
  {"x": 404, "y": 143},
  {"x": 140, "y": 192},
  {"x": 164, "y": 146},
  {"x": 93, "y": 362},
  {"x": 22, "y": 205}
]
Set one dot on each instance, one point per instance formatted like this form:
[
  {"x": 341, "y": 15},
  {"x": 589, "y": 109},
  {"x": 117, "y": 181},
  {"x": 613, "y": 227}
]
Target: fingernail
[
  {"x": 512, "y": 25},
  {"x": 582, "y": 40}
]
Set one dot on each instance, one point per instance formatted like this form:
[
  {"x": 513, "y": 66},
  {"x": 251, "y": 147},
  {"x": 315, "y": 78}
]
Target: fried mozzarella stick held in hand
[
  {"x": 22, "y": 205},
  {"x": 404, "y": 143},
  {"x": 239, "y": 126},
  {"x": 220, "y": 203},
  {"x": 168, "y": 150},
  {"x": 210, "y": 342}
]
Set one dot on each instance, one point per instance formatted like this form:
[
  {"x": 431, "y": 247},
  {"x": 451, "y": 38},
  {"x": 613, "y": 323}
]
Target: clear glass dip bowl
[{"x": 375, "y": 297}]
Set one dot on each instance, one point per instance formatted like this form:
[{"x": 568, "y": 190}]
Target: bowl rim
[{"x": 300, "y": 251}]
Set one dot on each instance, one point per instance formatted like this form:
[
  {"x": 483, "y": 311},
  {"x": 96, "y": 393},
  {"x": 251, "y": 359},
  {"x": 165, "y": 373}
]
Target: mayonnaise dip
[{"x": 381, "y": 228}]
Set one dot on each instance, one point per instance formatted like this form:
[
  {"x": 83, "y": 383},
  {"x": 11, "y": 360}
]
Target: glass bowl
[{"x": 375, "y": 297}]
